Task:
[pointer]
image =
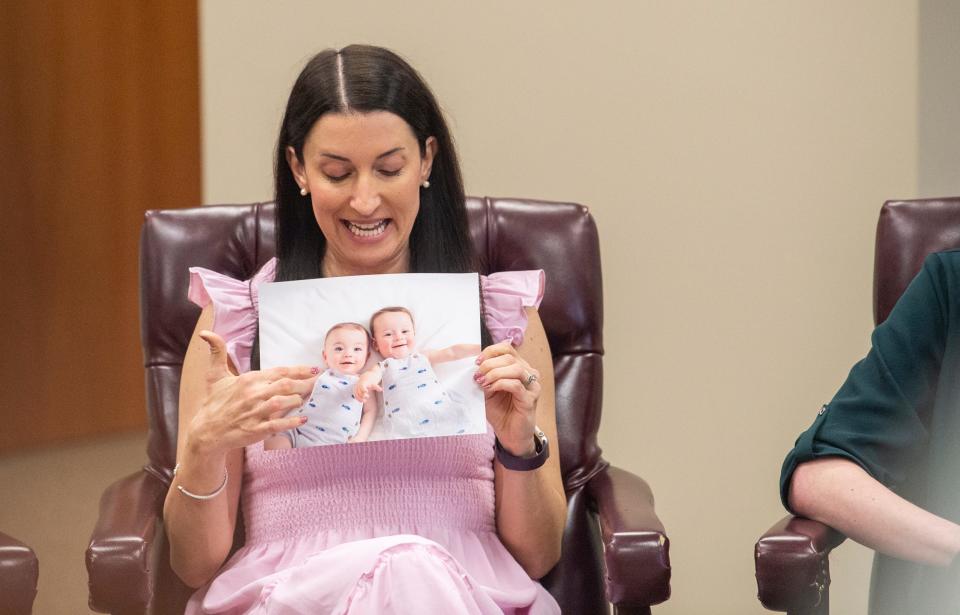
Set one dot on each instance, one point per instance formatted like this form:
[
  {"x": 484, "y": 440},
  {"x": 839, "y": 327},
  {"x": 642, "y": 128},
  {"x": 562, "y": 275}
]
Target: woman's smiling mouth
[{"x": 372, "y": 229}]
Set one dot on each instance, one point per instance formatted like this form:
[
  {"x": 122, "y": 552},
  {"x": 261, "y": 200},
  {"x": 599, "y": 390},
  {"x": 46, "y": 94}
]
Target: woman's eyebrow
[{"x": 344, "y": 159}]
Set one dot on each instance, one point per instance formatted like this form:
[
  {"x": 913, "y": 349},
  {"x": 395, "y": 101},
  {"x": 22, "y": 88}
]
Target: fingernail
[
  {"x": 481, "y": 380},
  {"x": 314, "y": 370},
  {"x": 303, "y": 420},
  {"x": 478, "y": 361}
]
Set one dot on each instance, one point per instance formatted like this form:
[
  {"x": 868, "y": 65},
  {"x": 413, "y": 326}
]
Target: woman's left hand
[{"x": 511, "y": 388}]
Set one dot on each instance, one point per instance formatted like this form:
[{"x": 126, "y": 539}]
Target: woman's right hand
[{"x": 240, "y": 410}]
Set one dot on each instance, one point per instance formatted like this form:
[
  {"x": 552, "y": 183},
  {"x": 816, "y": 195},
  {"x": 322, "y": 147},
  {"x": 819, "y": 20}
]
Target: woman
[
  {"x": 367, "y": 182},
  {"x": 881, "y": 461}
]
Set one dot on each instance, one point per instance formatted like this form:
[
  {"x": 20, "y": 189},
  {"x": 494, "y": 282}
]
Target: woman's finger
[
  {"x": 284, "y": 408},
  {"x": 217, "y": 369},
  {"x": 278, "y": 405},
  {"x": 495, "y": 362},
  {"x": 294, "y": 372},
  {"x": 513, "y": 387},
  {"x": 285, "y": 386},
  {"x": 495, "y": 351},
  {"x": 515, "y": 371},
  {"x": 280, "y": 425}
]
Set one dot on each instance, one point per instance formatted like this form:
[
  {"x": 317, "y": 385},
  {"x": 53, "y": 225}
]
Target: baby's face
[
  {"x": 346, "y": 350},
  {"x": 393, "y": 335}
]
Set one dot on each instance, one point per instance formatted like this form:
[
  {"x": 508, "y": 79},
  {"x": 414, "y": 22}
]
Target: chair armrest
[
  {"x": 118, "y": 557},
  {"x": 793, "y": 563},
  {"x": 636, "y": 550},
  {"x": 19, "y": 570}
]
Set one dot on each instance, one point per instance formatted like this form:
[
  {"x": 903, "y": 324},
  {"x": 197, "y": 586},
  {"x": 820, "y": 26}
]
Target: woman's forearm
[
  {"x": 201, "y": 531},
  {"x": 530, "y": 517},
  {"x": 843, "y": 495}
]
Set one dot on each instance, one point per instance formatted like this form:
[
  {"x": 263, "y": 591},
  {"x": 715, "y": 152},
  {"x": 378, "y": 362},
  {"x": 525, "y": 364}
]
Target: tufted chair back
[{"x": 508, "y": 234}]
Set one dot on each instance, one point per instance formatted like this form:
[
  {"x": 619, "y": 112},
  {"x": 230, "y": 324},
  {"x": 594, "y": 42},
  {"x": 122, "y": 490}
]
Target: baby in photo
[
  {"x": 415, "y": 403},
  {"x": 392, "y": 373},
  {"x": 334, "y": 415}
]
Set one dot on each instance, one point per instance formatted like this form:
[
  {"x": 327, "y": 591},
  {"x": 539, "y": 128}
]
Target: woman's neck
[{"x": 331, "y": 266}]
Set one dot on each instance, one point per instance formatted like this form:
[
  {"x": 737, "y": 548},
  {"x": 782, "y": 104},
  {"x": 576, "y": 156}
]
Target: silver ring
[{"x": 530, "y": 380}]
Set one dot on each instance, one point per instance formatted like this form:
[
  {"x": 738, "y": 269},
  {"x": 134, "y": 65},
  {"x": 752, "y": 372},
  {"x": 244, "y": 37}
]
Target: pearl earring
[
  {"x": 303, "y": 192},
  {"x": 426, "y": 183}
]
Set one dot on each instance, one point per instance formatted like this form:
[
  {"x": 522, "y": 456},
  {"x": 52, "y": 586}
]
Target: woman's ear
[
  {"x": 296, "y": 167},
  {"x": 429, "y": 152}
]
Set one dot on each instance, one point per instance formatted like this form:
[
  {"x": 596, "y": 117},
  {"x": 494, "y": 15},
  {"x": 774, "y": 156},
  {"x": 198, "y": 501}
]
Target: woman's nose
[{"x": 365, "y": 199}]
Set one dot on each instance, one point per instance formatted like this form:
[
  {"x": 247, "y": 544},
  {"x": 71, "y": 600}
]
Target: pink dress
[{"x": 394, "y": 526}]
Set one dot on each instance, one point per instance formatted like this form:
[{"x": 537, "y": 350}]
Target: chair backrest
[
  {"x": 907, "y": 232},
  {"x": 509, "y": 235}
]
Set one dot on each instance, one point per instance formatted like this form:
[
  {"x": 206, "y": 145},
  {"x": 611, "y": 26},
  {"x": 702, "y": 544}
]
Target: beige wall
[
  {"x": 939, "y": 93},
  {"x": 735, "y": 155}
]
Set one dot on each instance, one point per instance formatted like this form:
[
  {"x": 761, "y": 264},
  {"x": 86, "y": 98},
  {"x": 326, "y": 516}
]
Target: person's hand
[
  {"x": 241, "y": 410},
  {"x": 365, "y": 385},
  {"x": 511, "y": 389}
]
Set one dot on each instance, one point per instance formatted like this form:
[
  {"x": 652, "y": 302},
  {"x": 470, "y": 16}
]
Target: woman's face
[{"x": 363, "y": 172}]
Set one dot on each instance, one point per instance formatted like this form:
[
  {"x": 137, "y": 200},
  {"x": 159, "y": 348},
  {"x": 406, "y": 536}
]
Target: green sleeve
[{"x": 878, "y": 417}]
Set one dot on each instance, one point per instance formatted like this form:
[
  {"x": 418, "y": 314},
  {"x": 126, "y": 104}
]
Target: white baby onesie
[
  {"x": 415, "y": 403},
  {"x": 332, "y": 413}
]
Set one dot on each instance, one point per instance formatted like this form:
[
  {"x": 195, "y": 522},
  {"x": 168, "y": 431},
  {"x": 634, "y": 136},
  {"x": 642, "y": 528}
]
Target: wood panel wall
[{"x": 99, "y": 121}]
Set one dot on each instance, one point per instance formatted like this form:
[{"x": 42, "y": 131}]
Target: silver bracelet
[{"x": 209, "y": 496}]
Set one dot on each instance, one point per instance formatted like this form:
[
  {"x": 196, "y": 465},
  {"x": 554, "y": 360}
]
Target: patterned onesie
[
  {"x": 332, "y": 413},
  {"x": 415, "y": 403}
]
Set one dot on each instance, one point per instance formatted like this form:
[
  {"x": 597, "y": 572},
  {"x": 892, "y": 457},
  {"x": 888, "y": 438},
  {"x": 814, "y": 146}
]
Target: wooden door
[{"x": 99, "y": 121}]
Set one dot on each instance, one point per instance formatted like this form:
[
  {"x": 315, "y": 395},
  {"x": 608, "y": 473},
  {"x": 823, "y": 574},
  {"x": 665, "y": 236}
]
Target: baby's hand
[{"x": 361, "y": 392}]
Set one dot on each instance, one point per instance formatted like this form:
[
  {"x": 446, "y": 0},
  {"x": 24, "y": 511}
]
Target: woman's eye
[
  {"x": 390, "y": 173},
  {"x": 337, "y": 178}
]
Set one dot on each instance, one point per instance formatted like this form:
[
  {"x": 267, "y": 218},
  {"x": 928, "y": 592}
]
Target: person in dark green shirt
[{"x": 881, "y": 462}]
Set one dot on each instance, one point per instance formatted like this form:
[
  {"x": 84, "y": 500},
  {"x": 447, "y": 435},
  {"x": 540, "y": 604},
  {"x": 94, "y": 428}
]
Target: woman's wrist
[
  {"x": 198, "y": 452},
  {"x": 522, "y": 448}
]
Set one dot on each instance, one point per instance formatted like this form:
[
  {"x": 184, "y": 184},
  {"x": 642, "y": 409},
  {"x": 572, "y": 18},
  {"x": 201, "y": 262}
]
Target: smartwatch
[{"x": 525, "y": 464}]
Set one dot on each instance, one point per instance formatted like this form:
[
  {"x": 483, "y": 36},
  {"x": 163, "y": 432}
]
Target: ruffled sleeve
[
  {"x": 235, "y": 307},
  {"x": 505, "y": 295}
]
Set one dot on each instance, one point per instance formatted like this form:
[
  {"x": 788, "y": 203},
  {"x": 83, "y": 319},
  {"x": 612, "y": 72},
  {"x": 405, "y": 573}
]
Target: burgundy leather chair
[
  {"x": 19, "y": 570},
  {"x": 615, "y": 548},
  {"x": 792, "y": 557}
]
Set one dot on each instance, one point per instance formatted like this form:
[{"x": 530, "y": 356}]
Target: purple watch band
[{"x": 525, "y": 464}]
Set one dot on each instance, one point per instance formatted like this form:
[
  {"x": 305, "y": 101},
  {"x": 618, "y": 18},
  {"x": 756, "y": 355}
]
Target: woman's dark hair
[{"x": 361, "y": 79}]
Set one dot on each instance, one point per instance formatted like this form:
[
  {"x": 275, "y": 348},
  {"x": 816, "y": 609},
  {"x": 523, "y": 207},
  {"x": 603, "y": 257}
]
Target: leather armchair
[
  {"x": 792, "y": 557},
  {"x": 614, "y": 548},
  {"x": 19, "y": 570}
]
